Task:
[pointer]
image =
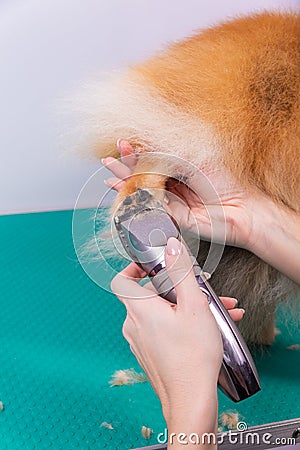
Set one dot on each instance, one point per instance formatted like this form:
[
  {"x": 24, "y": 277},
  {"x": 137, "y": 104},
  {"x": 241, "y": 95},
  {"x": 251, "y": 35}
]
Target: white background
[{"x": 45, "y": 47}]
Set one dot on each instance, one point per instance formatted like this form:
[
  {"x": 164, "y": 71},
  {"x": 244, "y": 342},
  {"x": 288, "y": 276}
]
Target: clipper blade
[{"x": 144, "y": 228}]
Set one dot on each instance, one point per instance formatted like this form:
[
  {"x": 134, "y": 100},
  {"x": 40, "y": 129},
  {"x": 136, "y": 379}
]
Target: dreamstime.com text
[{"x": 235, "y": 437}]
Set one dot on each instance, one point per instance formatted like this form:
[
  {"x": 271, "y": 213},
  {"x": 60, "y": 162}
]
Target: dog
[{"x": 226, "y": 97}]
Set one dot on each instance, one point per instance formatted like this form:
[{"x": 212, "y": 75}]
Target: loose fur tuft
[{"x": 127, "y": 377}]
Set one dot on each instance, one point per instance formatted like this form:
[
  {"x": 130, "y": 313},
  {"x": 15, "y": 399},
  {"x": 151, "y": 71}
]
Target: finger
[
  {"x": 133, "y": 271},
  {"x": 115, "y": 183},
  {"x": 229, "y": 302},
  {"x": 189, "y": 217},
  {"x": 236, "y": 314},
  {"x": 128, "y": 156},
  {"x": 199, "y": 220},
  {"x": 119, "y": 169},
  {"x": 128, "y": 325},
  {"x": 180, "y": 270},
  {"x": 182, "y": 192},
  {"x": 133, "y": 274},
  {"x": 150, "y": 286},
  {"x": 125, "y": 286},
  {"x": 207, "y": 276}
]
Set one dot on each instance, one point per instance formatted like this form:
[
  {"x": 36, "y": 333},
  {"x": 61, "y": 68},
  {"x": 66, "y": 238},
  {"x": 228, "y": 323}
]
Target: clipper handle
[{"x": 238, "y": 377}]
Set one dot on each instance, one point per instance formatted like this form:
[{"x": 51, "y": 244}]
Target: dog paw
[{"x": 141, "y": 200}]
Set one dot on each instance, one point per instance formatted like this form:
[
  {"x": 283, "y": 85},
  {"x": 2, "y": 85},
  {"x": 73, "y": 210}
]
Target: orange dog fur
[{"x": 229, "y": 96}]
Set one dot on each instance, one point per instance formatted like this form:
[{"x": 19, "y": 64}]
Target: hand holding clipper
[{"x": 144, "y": 230}]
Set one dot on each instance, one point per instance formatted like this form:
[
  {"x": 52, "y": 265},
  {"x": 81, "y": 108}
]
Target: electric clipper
[{"x": 144, "y": 228}]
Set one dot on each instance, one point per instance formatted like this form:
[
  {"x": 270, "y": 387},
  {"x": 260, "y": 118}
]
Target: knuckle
[
  {"x": 125, "y": 329},
  {"x": 179, "y": 274},
  {"x": 114, "y": 283}
]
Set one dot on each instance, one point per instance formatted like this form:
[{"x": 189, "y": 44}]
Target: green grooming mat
[{"x": 61, "y": 341}]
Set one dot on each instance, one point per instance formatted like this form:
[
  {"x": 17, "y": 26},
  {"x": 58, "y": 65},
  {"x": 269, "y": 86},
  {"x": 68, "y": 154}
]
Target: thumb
[{"x": 180, "y": 270}]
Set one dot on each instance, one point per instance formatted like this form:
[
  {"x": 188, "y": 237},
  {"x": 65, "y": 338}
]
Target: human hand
[
  {"x": 212, "y": 206},
  {"x": 241, "y": 218},
  {"x": 178, "y": 346}
]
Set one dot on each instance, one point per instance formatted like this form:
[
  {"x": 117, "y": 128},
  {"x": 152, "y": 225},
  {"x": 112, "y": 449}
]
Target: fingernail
[
  {"x": 236, "y": 301},
  {"x": 166, "y": 200},
  {"x": 118, "y": 145},
  {"x": 243, "y": 311},
  {"x": 103, "y": 161},
  {"x": 173, "y": 247}
]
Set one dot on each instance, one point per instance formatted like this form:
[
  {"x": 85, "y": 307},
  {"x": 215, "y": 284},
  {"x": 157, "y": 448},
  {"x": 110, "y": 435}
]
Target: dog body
[{"x": 227, "y": 98}]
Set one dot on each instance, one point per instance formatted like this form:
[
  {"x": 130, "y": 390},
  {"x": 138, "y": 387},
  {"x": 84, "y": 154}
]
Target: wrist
[
  {"x": 188, "y": 408},
  {"x": 262, "y": 221},
  {"x": 275, "y": 236},
  {"x": 195, "y": 423}
]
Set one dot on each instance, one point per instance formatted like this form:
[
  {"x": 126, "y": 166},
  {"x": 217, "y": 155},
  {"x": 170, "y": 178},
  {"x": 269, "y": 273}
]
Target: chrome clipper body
[{"x": 144, "y": 229}]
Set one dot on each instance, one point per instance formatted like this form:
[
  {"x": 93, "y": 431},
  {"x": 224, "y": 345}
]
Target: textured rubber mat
[{"x": 60, "y": 342}]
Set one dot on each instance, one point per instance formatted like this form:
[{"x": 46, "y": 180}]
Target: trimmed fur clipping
[
  {"x": 146, "y": 432},
  {"x": 107, "y": 425},
  {"x": 128, "y": 376},
  {"x": 229, "y": 419},
  {"x": 294, "y": 347}
]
